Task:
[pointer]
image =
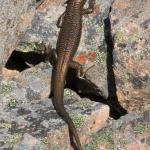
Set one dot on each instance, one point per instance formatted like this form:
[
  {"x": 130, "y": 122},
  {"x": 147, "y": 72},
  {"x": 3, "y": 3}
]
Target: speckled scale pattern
[
  {"x": 67, "y": 44},
  {"x": 70, "y": 33}
]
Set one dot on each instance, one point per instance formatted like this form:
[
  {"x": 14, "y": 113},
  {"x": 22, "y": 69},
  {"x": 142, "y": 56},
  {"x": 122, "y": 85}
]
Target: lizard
[{"x": 70, "y": 24}]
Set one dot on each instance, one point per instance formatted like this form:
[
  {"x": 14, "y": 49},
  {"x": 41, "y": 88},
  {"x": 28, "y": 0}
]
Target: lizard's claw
[{"x": 83, "y": 73}]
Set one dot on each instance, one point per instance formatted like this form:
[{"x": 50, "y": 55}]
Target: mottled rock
[
  {"x": 92, "y": 47},
  {"x": 130, "y": 28},
  {"x": 131, "y": 132},
  {"x": 28, "y": 142},
  {"x": 87, "y": 123},
  {"x": 26, "y": 112},
  {"x": 15, "y": 16},
  {"x": 28, "y": 119}
]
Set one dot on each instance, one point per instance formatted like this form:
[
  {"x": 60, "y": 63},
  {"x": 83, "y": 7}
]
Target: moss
[
  {"x": 138, "y": 57},
  {"x": 5, "y": 125},
  {"x": 5, "y": 89},
  {"x": 78, "y": 119},
  {"x": 140, "y": 129},
  {"x": 101, "y": 57},
  {"x": 119, "y": 37},
  {"x": 84, "y": 104},
  {"x": 99, "y": 29},
  {"x": 12, "y": 103},
  {"x": 133, "y": 38},
  {"x": 122, "y": 142},
  {"x": 28, "y": 47},
  {"x": 68, "y": 93},
  {"x": 44, "y": 141},
  {"x": 93, "y": 41},
  {"x": 53, "y": 147},
  {"x": 103, "y": 136},
  {"x": 11, "y": 140},
  {"x": 126, "y": 74}
]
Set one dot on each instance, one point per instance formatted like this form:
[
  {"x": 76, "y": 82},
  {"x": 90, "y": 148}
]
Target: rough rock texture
[
  {"x": 92, "y": 43},
  {"x": 15, "y": 16},
  {"x": 130, "y": 22},
  {"x": 130, "y": 132},
  {"x": 28, "y": 119}
]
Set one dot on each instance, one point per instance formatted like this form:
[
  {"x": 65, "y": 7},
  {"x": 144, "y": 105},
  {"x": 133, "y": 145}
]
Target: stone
[
  {"x": 15, "y": 16},
  {"x": 92, "y": 121},
  {"x": 131, "y": 53},
  {"x": 28, "y": 142},
  {"x": 31, "y": 118}
]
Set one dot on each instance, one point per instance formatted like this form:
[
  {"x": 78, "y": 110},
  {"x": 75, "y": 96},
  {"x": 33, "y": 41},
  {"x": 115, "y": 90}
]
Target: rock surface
[
  {"x": 15, "y": 16},
  {"x": 92, "y": 44},
  {"x": 130, "y": 22},
  {"x": 130, "y": 132},
  {"x": 28, "y": 119},
  {"x": 120, "y": 55}
]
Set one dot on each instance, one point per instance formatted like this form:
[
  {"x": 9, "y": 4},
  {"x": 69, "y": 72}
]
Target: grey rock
[
  {"x": 28, "y": 142},
  {"x": 15, "y": 16},
  {"x": 131, "y": 53}
]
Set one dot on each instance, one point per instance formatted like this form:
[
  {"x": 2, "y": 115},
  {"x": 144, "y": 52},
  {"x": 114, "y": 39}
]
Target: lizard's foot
[
  {"x": 78, "y": 67},
  {"x": 86, "y": 70},
  {"x": 48, "y": 52}
]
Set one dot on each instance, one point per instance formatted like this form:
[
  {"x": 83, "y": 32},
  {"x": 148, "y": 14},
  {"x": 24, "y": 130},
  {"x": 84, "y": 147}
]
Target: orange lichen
[
  {"x": 92, "y": 56},
  {"x": 81, "y": 58}
]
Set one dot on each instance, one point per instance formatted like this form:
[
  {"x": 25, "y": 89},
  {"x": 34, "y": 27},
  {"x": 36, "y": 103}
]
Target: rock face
[
  {"x": 92, "y": 47},
  {"x": 28, "y": 119},
  {"x": 130, "y": 21},
  {"x": 118, "y": 46},
  {"x": 15, "y": 16},
  {"x": 130, "y": 132}
]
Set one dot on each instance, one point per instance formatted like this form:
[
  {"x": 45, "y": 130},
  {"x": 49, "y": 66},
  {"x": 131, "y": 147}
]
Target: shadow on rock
[
  {"x": 86, "y": 89},
  {"x": 112, "y": 91},
  {"x": 82, "y": 86},
  {"x": 23, "y": 60}
]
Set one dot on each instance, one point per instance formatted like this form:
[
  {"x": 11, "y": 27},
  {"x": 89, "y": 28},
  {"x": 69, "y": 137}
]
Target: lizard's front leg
[
  {"x": 50, "y": 54},
  {"x": 90, "y": 8},
  {"x": 78, "y": 67}
]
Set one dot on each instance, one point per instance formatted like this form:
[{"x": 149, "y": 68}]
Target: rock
[
  {"x": 92, "y": 48},
  {"x": 99, "y": 72},
  {"x": 15, "y": 16},
  {"x": 28, "y": 142},
  {"x": 28, "y": 119},
  {"x": 130, "y": 132},
  {"x": 130, "y": 28},
  {"x": 87, "y": 122}
]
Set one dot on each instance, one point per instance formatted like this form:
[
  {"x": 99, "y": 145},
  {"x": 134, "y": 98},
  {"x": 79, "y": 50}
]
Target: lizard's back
[
  {"x": 70, "y": 32},
  {"x": 67, "y": 44}
]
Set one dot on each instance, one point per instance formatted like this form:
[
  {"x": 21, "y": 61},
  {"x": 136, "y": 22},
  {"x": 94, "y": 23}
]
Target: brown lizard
[{"x": 70, "y": 24}]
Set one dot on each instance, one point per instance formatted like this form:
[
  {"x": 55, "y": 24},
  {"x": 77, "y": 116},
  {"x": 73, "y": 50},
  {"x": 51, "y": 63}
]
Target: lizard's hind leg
[{"x": 78, "y": 67}]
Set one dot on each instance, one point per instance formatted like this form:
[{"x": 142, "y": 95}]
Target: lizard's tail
[
  {"x": 59, "y": 81},
  {"x": 62, "y": 112}
]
